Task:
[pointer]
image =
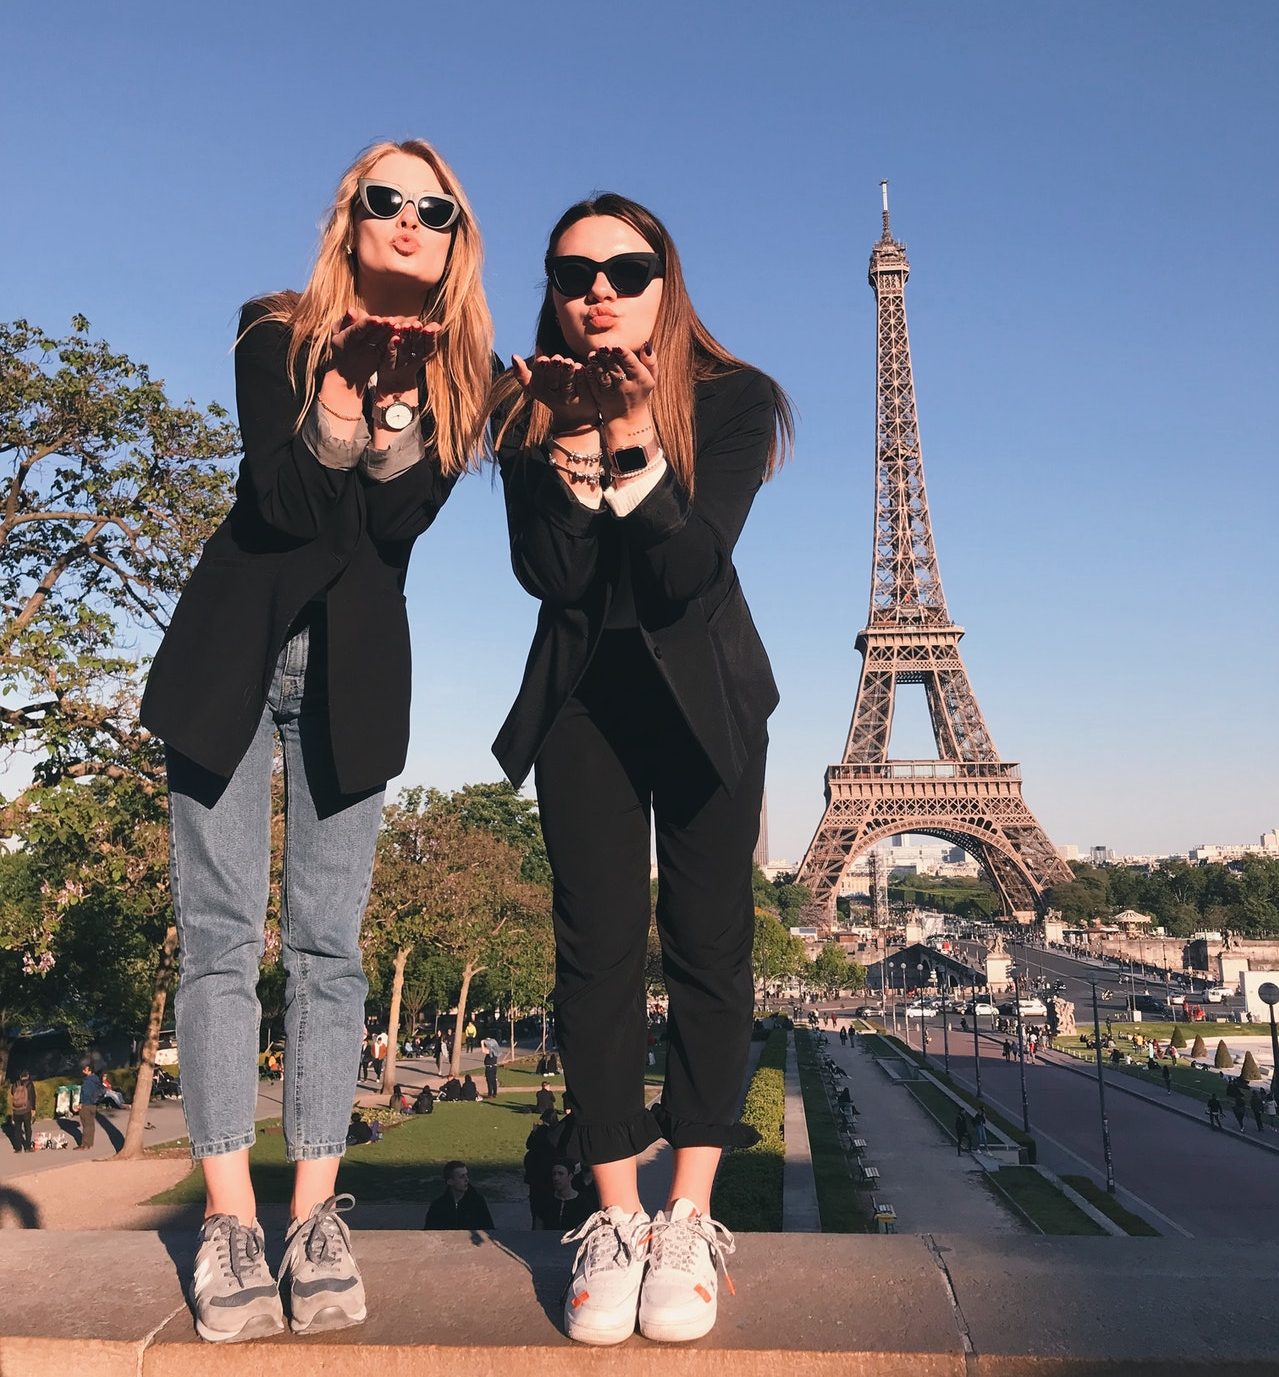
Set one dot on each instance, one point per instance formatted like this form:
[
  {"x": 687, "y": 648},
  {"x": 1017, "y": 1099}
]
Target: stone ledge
[{"x": 806, "y": 1305}]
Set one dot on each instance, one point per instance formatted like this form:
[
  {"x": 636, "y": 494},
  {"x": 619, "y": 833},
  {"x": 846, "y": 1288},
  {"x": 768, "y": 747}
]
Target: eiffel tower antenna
[{"x": 967, "y": 796}]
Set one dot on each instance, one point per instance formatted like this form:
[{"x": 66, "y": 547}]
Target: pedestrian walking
[
  {"x": 1257, "y": 1103},
  {"x": 632, "y": 448},
  {"x": 490, "y": 1073},
  {"x": 1008, "y": 1050},
  {"x": 843, "y": 1037},
  {"x": 980, "y": 1125},
  {"x": 22, "y": 1108},
  {"x": 361, "y": 403},
  {"x": 963, "y": 1135},
  {"x": 1272, "y": 1110},
  {"x": 1239, "y": 1110},
  {"x": 1214, "y": 1111},
  {"x": 1167, "y": 1070},
  {"x": 437, "y": 1051}
]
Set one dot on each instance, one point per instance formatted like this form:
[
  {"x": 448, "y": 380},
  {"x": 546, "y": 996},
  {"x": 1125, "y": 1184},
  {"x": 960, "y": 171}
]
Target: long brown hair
[
  {"x": 459, "y": 373},
  {"x": 687, "y": 352}
]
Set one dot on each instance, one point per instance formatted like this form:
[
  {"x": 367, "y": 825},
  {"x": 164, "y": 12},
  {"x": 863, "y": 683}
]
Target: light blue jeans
[{"x": 219, "y": 857}]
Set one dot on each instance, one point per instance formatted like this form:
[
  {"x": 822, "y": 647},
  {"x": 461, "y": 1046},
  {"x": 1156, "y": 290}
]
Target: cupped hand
[
  {"x": 359, "y": 347},
  {"x": 556, "y": 382},
  {"x": 620, "y": 380},
  {"x": 412, "y": 342}
]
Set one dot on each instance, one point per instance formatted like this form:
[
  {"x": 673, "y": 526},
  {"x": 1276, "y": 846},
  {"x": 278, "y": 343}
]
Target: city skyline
[{"x": 1096, "y": 414}]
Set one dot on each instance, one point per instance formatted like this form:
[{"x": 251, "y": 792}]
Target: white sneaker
[
  {"x": 679, "y": 1298},
  {"x": 603, "y": 1293}
]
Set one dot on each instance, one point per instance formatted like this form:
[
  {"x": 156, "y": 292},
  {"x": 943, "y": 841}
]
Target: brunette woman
[
  {"x": 357, "y": 398},
  {"x": 631, "y": 447}
]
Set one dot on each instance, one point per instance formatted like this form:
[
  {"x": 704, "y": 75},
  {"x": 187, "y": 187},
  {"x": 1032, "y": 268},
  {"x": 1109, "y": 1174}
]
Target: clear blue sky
[{"x": 1088, "y": 197}]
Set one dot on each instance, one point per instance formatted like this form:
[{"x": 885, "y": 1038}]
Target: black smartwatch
[{"x": 632, "y": 459}]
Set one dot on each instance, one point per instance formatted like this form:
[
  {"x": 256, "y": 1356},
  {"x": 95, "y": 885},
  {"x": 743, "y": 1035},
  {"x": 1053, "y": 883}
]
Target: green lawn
[
  {"x": 838, "y": 1199},
  {"x": 1042, "y": 1202},
  {"x": 1198, "y": 1084},
  {"x": 1096, "y": 1196},
  {"x": 406, "y": 1164}
]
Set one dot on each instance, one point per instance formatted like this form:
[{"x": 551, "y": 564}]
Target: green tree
[
  {"x": 1249, "y": 1070},
  {"x": 1223, "y": 1060},
  {"x": 107, "y": 492},
  {"x": 776, "y": 954},
  {"x": 1198, "y": 1048},
  {"x": 1178, "y": 1038},
  {"x": 503, "y": 811},
  {"x": 832, "y": 971}
]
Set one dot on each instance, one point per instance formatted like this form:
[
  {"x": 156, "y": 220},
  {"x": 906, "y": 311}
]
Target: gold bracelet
[{"x": 337, "y": 414}]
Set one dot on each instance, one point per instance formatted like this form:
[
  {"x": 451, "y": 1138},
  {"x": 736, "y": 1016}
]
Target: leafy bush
[
  {"x": 1178, "y": 1038},
  {"x": 1249, "y": 1069},
  {"x": 1199, "y": 1048},
  {"x": 1223, "y": 1061},
  {"x": 748, "y": 1191}
]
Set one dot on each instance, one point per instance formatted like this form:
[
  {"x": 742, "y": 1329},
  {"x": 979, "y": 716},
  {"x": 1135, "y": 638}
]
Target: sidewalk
[{"x": 932, "y": 1188}]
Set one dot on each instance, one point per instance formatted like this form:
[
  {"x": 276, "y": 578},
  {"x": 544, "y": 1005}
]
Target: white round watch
[{"x": 396, "y": 416}]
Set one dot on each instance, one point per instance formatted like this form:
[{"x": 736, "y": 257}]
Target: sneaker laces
[
  {"x": 600, "y": 1233},
  {"x": 321, "y": 1237},
  {"x": 240, "y": 1252},
  {"x": 677, "y": 1244}
]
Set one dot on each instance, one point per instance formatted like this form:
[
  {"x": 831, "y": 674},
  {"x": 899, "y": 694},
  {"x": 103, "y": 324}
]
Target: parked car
[
  {"x": 1214, "y": 994},
  {"x": 1149, "y": 1005},
  {"x": 980, "y": 1006},
  {"x": 1033, "y": 1008},
  {"x": 1177, "y": 999}
]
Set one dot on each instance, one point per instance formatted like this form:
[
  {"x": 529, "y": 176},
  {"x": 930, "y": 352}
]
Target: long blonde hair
[
  {"x": 687, "y": 352},
  {"x": 459, "y": 373}
]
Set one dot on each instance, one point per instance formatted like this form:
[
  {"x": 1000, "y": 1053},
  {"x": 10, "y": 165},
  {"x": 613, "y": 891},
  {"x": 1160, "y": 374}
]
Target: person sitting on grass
[
  {"x": 544, "y": 1100},
  {"x": 358, "y": 1131},
  {"x": 461, "y": 1206},
  {"x": 451, "y": 1090},
  {"x": 470, "y": 1091},
  {"x": 425, "y": 1102}
]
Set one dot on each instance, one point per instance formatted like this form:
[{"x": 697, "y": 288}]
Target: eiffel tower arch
[{"x": 968, "y": 795}]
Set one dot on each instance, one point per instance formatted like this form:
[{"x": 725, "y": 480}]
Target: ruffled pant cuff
[
  {"x": 682, "y": 1133},
  {"x": 599, "y": 1143}
]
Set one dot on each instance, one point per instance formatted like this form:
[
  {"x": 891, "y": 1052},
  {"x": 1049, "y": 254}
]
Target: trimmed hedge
[
  {"x": 1223, "y": 1061},
  {"x": 748, "y": 1190},
  {"x": 123, "y": 1079}
]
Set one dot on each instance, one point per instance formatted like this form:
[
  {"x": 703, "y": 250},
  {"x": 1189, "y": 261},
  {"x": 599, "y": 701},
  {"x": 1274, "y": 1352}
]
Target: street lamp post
[
  {"x": 976, "y": 1040},
  {"x": 1101, "y": 1091},
  {"x": 1269, "y": 991},
  {"x": 893, "y": 988},
  {"x": 923, "y": 1021},
  {"x": 1021, "y": 1048},
  {"x": 945, "y": 1024}
]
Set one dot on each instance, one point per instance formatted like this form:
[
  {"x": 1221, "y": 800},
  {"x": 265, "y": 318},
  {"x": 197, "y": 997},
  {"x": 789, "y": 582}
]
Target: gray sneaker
[
  {"x": 319, "y": 1274},
  {"x": 233, "y": 1293}
]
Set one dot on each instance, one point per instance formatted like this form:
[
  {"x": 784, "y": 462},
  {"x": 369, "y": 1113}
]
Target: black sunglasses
[
  {"x": 628, "y": 273},
  {"x": 385, "y": 200}
]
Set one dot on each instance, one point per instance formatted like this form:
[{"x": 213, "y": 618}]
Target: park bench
[
  {"x": 869, "y": 1173},
  {"x": 885, "y": 1217}
]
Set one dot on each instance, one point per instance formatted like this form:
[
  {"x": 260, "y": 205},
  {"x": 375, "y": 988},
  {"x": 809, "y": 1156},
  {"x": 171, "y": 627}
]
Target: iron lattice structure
[{"x": 967, "y": 796}]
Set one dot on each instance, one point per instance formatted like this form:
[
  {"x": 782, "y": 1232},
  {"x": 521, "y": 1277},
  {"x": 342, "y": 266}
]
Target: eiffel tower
[{"x": 968, "y": 796}]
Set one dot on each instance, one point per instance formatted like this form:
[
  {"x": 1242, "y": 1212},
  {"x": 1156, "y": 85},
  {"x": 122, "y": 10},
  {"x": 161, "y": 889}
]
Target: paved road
[{"x": 1210, "y": 1184}]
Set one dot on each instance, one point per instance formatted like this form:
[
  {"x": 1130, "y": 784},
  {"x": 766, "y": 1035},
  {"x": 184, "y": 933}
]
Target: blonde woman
[
  {"x": 632, "y": 447},
  {"x": 358, "y": 398}
]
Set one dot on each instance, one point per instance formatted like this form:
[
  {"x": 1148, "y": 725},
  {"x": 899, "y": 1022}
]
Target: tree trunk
[
  {"x": 393, "y": 1023},
  {"x": 459, "y": 1027},
  {"x": 146, "y": 1064},
  {"x": 512, "y": 1013}
]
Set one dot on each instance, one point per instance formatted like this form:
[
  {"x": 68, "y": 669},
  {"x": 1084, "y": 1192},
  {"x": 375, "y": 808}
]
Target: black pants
[
  {"x": 620, "y": 753},
  {"x": 22, "y": 1130}
]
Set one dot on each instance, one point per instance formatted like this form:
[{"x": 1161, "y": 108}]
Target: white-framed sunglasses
[{"x": 385, "y": 200}]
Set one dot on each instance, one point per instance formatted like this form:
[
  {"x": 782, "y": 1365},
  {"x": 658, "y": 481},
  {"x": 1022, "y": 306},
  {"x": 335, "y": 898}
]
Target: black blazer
[
  {"x": 296, "y": 530},
  {"x": 693, "y": 616}
]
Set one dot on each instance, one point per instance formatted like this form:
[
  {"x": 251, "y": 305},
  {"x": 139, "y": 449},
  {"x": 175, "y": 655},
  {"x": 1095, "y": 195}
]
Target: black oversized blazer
[
  {"x": 296, "y": 530},
  {"x": 692, "y": 614}
]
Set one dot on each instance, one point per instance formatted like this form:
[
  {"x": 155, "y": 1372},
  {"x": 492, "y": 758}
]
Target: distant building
[
  {"x": 761, "y": 846},
  {"x": 1099, "y": 855}
]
